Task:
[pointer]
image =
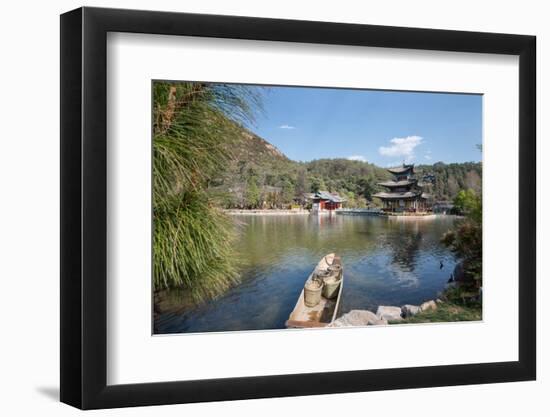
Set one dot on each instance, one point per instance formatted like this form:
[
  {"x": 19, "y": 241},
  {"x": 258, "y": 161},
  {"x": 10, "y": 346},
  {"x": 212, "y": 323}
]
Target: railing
[{"x": 371, "y": 211}]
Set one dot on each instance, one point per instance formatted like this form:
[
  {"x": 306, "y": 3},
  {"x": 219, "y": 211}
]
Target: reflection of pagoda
[{"x": 404, "y": 193}]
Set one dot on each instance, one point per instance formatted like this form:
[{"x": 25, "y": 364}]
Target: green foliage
[
  {"x": 192, "y": 246},
  {"x": 287, "y": 190},
  {"x": 317, "y": 184},
  {"x": 353, "y": 200},
  {"x": 281, "y": 181},
  {"x": 302, "y": 182},
  {"x": 204, "y": 158},
  {"x": 451, "y": 178},
  {"x": 465, "y": 240},
  {"x": 445, "y": 312},
  {"x": 253, "y": 155},
  {"x": 462, "y": 295},
  {"x": 468, "y": 202},
  {"x": 342, "y": 175},
  {"x": 350, "y": 200},
  {"x": 252, "y": 196},
  {"x": 194, "y": 125}
]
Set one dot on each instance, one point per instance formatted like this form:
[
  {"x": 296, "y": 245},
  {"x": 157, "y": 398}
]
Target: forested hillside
[
  {"x": 449, "y": 179},
  {"x": 261, "y": 176}
]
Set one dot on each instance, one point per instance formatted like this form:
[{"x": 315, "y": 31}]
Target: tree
[
  {"x": 317, "y": 184},
  {"x": 365, "y": 187},
  {"x": 350, "y": 200},
  {"x": 468, "y": 202},
  {"x": 465, "y": 239},
  {"x": 287, "y": 191},
  {"x": 301, "y": 182},
  {"x": 361, "y": 202},
  {"x": 252, "y": 195}
]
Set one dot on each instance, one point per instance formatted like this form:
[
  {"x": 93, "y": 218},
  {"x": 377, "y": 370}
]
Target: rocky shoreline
[
  {"x": 440, "y": 306},
  {"x": 384, "y": 314}
]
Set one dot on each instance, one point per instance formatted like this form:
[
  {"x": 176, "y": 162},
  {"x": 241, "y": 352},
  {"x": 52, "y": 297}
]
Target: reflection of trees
[
  {"x": 405, "y": 249},
  {"x": 403, "y": 242},
  {"x": 265, "y": 239}
]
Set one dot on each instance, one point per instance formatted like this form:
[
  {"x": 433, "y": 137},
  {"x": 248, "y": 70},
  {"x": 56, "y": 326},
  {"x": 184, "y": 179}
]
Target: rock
[
  {"x": 458, "y": 273},
  {"x": 409, "y": 310},
  {"x": 358, "y": 318},
  {"x": 439, "y": 301},
  {"x": 428, "y": 305},
  {"x": 389, "y": 313}
]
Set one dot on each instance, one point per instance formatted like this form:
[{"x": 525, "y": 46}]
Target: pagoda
[{"x": 404, "y": 193}]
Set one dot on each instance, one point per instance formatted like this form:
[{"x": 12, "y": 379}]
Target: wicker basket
[
  {"x": 335, "y": 269},
  {"x": 321, "y": 274},
  {"x": 312, "y": 292},
  {"x": 331, "y": 285}
]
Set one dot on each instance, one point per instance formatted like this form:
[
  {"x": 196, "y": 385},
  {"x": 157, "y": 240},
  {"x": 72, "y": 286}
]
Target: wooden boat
[{"x": 323, "y": 313}]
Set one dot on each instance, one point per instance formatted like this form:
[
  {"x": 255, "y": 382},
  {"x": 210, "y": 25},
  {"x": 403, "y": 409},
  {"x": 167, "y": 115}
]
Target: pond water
[{"x": 386, "y": 262}]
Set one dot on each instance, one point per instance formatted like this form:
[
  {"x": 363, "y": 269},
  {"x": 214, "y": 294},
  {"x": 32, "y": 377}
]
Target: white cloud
[
  {"x": 286, "y": 127},
  {"x": 428, "y": 157},
  {"x": 401, "y": 147},
  {"x": 357, "y": 158}
]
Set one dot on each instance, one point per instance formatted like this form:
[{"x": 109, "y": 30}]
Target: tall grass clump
[{"x": 194, "y": 125}]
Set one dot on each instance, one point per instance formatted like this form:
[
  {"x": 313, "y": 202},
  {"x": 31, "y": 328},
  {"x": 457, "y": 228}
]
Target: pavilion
[
  {"x": 404, "y": 193},
  {"x": 325, "y": 201}
]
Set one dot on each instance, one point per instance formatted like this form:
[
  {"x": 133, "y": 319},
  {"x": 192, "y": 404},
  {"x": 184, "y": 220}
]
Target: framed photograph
[{"x": 257, "y": 208}]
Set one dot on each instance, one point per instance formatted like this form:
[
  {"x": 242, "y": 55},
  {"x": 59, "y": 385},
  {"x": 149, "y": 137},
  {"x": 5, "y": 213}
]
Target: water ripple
[{"x": 385, "y": 261}]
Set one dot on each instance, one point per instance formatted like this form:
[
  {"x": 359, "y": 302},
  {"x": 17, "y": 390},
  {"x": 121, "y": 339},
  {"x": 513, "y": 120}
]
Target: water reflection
[{"x": 386, "y": 261}]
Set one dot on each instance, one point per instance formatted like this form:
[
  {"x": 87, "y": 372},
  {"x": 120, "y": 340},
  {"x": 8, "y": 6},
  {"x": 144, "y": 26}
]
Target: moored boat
[{"x": 325, "y": 310}]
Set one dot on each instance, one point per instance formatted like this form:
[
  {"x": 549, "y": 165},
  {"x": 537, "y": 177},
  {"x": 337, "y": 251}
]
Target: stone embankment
[
  {"x": 266, "y": 212},
  {"x": 383, "y": 314}
]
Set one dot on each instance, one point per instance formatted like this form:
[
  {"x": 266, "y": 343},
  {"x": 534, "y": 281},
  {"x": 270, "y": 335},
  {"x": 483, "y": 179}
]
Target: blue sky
[{"x": 382, "y": 127}]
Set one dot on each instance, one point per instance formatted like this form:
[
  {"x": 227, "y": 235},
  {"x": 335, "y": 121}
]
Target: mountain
[
  {"x": 260, "y": 175},
  {"x": 253, "y": 148}
]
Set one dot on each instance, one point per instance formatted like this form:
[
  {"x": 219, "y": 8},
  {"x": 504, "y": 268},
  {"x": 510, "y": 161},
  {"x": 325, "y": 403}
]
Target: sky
[{"x": 386, "y": 128}]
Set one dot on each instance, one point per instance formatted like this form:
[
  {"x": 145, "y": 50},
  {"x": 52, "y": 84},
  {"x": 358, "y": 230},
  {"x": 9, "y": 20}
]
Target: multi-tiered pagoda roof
[{"x": 404, "y": 192}]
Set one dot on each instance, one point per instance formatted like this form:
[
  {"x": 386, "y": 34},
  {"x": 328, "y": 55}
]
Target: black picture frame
[{"x": 84, "y": 207}]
